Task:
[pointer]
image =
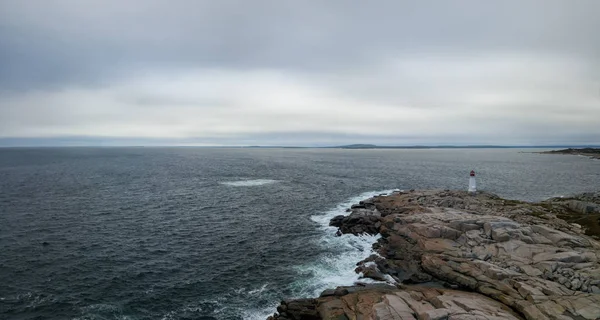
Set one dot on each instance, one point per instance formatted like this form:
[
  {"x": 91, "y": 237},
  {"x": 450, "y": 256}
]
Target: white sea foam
[
  {"x": 258, "y": 291},
  {"x": 101, "y": 310},
  {"x": 248, "y": 183},
  {"x": 259, "y": 314},
  {"x": 336, "y": 266}
]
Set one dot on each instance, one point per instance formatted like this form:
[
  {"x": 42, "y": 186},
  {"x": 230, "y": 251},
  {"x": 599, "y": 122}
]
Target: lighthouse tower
[{"x": 472, "y": 183}]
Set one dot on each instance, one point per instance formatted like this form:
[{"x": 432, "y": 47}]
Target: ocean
[{"x": 216, "y": 233}]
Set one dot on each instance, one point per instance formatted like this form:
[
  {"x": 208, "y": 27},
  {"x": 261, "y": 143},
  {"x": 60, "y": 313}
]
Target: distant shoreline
[
  {"x": 347, "y": 147},
  {"x": 593, "y": 153},
  {"x": 369, "y": 146}
]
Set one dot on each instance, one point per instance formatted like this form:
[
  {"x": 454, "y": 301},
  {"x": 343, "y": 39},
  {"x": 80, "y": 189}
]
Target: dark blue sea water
[{"x": 197, "y": 233}]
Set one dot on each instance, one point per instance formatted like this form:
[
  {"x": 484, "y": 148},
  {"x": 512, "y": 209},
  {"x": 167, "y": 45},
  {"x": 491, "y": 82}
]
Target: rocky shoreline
[{"x": 454, "y": 255}]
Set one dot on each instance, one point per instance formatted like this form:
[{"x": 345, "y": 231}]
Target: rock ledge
[{"x": 454, "y": 255}]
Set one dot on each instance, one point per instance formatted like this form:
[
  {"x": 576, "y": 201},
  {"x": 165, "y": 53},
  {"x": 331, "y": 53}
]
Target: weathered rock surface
[
  {"x": 508, "y": 259},
  {"x": 389, "y": 303}
]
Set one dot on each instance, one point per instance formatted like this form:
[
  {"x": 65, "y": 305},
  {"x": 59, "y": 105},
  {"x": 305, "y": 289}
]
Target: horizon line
[{"x": 347, "y": 146}]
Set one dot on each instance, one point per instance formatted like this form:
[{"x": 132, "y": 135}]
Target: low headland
[
  {"x": 454, "y": 255},
  {"x": 593, "y": 153}
]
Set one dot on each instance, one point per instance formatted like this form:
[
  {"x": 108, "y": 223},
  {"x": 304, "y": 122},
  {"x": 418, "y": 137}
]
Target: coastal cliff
[{"x": 454, "y": 255}]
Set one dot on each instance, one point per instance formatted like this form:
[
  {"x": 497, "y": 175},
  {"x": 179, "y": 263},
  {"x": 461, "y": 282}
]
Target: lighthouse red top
[{"x": 472, "y": 173}]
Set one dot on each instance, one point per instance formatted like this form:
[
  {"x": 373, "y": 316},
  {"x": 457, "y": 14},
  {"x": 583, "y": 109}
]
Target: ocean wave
[
  {"x": 30, "y": 299},
  {"x": 335, "y": 267},
  {"x": 258, "y": 290},
  {"x": 248, "y": 183},
  {"x": 256, "y": 303},
  {"x": 259, "y": 314},
  {"x": 103, "y": 311},
  {"x": 341, "y": 253}
]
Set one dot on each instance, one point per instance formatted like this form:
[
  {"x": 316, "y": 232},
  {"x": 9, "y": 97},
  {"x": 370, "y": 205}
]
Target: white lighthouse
[{"x": 472, "y": 183}]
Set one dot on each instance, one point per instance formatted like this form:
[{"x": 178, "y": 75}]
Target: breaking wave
[
  {"x": 248, "y": 183},
  {"x": 341, "y": 253}
]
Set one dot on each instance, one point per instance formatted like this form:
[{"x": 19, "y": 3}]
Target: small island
[{"x": 593, "y": 153}]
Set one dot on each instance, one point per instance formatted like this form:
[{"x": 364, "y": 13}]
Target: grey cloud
[
  {"x": 269, "y": 71},
  {"x": 72, "y": 41}
]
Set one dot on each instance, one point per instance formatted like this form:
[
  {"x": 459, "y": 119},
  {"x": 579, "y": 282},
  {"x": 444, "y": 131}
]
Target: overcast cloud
[{"x": 299, "y": 72}]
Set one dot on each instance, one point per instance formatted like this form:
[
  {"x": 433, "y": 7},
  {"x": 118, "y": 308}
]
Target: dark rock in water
[
  {"x": 337, "y": 221},
  {"x": 364, "y": 219},
  {"x": 282, "y": 308},
  {"x": 45, "y": 243},
  {"x": 371, "y": 271},
  {"x": 301, "y": 309},
  {"x": 367, "y": 204}
]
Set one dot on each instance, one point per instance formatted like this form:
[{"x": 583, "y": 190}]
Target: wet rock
[
  {"x": 364, "y": 218},
  {"x": 371, "y": 271},
  {"x": 337, "y": 221},
  {"x": 301, "y": 309}
]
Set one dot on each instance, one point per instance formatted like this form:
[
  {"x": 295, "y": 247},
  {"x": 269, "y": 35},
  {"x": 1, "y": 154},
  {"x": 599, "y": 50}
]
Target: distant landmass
[
  {"x": 373, "y": 146},
  {"x": 589, "y": 152}
]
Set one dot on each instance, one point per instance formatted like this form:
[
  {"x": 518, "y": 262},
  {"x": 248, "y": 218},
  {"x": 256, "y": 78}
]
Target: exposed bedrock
[{"x": 503, "y": 259}]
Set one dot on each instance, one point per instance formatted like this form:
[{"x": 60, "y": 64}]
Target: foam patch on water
[
  {"x": 260, "y": 314},
  {"x": 103, "y": 311},
  {"x": 249, "y": 183},
  {"x": 256, "y": 303},
  {"x": 265, "y": 303},
  {"x": 258, "y": 291},
  {"x": 336, "y": 266}
]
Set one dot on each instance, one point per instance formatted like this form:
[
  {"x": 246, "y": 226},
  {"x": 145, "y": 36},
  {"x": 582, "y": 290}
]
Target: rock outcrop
[
  {"x": 453, "y": 255},
  {"x": 364, "y": 219},
  {"x": 410, "y": 302}
]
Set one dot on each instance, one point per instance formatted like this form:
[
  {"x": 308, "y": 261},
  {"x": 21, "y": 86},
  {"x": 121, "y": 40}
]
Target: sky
[{"x": 299, "y": 72}]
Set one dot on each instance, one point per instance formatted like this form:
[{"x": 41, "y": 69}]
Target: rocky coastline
[
  {"x": 453, "y": 255},
  {"x": 593, "y": 153}
]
